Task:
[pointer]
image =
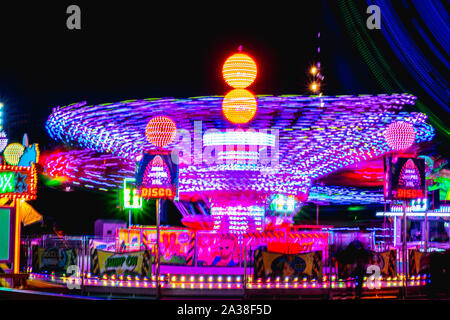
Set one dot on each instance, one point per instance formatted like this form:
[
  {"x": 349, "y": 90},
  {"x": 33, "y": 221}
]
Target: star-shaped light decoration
[{"x": 21, "y": 183}]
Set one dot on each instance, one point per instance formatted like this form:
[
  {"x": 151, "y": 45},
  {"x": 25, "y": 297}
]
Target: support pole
[
  {"x": 129, "y": 218},
  {"x": 16, "y": 263},
  {"x": 317, "y": 213},
  {"x": 244, "y": 281},
  {"x": 384, "y": 227},
  {"x": 83, "y": 253},
  {"x": 426, "y": 216},
  {"x": 158, "y": 255},
  {"x": 405, "y": 250},
  {"x": 426, "y": 229},
  {"x": 395, "y": 231},
  {"x": 196, "y": 250}
]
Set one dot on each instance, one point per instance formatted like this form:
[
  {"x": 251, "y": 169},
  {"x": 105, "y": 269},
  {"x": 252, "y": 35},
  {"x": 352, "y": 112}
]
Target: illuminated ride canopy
[{"x": 294, "y": 141}]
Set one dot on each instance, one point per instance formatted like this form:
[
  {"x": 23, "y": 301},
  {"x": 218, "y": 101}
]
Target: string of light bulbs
[{"x": 316, "y": 75}]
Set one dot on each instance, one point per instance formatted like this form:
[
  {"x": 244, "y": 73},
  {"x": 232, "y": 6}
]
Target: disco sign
[
  {"x": 404, "y": 178},
  {"x": 157, "y": 176}
]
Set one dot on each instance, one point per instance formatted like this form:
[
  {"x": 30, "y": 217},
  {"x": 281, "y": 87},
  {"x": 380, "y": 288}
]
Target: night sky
[{"x": 128, "y": 50}]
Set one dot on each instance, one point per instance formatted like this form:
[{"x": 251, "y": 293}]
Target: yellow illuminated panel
[{"x": 12, "y": 153}]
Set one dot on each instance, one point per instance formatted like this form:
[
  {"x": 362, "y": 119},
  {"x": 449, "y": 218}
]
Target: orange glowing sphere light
[
  {"x": 161, "y": 131},
  {"x": 314, "y": 86},
  {"x": 239, "y": 71},
  {"x": 239, "y": 106}
]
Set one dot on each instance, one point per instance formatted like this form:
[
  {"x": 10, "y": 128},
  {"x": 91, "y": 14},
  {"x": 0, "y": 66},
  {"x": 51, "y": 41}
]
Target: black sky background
[{"x": 131, "y": 50}]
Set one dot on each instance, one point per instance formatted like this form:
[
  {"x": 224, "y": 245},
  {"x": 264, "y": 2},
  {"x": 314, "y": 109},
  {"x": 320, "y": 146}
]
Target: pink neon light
[
  {"x": 400, "y": 135},
  {"x": 161, "y": 131}
]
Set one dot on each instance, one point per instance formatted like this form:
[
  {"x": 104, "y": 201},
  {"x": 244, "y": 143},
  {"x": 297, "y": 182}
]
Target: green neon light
[
  {"x": 131, "y": 199},
  {"x": 282, "y": 203},
  {"x": 7, "y": 182},
  {"x": 4, "y": 234},
  {"x": 356, "y": 208}
]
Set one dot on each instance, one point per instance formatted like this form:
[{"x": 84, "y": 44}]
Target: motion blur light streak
[
  {"x": 409, "y": 52},
  {"x": 313, "y": 137},
  {"x": 344, "y": 195},
  {"x": 239, "y": 137},
  {"x": 313, "y": 142}
]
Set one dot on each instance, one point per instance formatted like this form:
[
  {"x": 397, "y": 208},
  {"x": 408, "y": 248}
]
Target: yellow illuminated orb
[
  {"x": 12, "y": 153},
  {"x": 239, "y": 106},
  {"x": 239, "y": 71},
  {"x": 314, "y": 86}
]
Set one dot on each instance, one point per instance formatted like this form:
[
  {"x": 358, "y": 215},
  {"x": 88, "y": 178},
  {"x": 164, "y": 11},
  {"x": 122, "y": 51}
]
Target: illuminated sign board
[
  {"x": 18, "y": 182},
  {"x": 157, "y": 176},
  {"x": 419, "y": 205},
  {"x": 404, "y": 178},
  {"x": 131, "y": 198},
  {"x": 157, "y": 193},
  {"x": 282, "y": 203},
  {"x": 7, "y": 223}
]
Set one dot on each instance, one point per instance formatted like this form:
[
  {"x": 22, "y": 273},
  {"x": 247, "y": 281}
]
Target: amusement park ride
[
  {"x": 238, "y": 153},
  {"x": 238, "y": 167}
]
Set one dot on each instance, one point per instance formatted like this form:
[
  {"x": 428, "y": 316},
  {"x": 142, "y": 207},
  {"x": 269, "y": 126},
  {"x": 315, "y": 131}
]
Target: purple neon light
[{"x": 317, "y": 136}]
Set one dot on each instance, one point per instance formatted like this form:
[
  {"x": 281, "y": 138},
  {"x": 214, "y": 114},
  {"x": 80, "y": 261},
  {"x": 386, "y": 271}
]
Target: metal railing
[{"x": 56, "y": 257}]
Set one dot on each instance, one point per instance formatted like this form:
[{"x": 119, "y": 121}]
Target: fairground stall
[
  {"x": 18, "y": 180},
  {"x": 238, "y": 168}
]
